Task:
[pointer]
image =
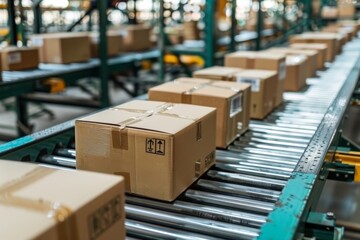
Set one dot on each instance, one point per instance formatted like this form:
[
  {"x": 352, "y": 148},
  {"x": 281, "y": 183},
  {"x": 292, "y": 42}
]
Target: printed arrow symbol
[
  {"x": 150, "y": 143},
  {"x": 160, "y": 143}
]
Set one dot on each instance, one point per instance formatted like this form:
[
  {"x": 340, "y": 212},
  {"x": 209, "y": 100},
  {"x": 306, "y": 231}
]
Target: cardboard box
[
  {"x": 217, "y": 73},
  {"x": 190, "y": 30},
  {"x": 311, "y": 56},
  {"x": 330, "y": 41},
  {"x": 44, "y": 203},
  {"x": 229, "y": 99},
  {"x": 346, "y": 10},
  {"x": 114, "y": 44},
  {"x": 159, "y": 148},
  {"x": 261, "y": 60},
  {"x": 263, "y": 96},
  {"x": 329, "y": 12},
  {"x": 16, "y": 59},
  {"x": 349, "y": 32},
  {"x": 295, "y": 72},
  {"x": 349, "y": 23},
  {"x": 136, "y": 37},
  {"x": 62, "y": 48},
  {"x": 320, "y": 47}
]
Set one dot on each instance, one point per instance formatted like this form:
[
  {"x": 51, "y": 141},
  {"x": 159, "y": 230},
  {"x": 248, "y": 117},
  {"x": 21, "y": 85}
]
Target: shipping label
[
  {"x": 14, "y": 58},
  {"x": 254, "y": 82},
  {"x": 236, "y": 103},
  {"x": 282, "y": 71}
]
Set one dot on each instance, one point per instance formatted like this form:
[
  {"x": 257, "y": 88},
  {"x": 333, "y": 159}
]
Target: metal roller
[
  {"x": 188, "y": 223},
  {"x": 277, "y": 138},
  {"x": 249, "y": 180},
  {"x": 204, "y": 211},
  {"x": 58, "y": 160},
  {"x": 231, "y": 202},
  {"x": 65, "y": 152},
  {"x": 285, "y": 148},
  {"x": 247, "y": 139},
  {"x": 238, "y": 190}
]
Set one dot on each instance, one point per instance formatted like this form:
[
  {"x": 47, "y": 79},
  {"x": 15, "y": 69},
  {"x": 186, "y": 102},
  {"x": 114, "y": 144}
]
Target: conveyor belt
[{"x": 233, "y": 200}]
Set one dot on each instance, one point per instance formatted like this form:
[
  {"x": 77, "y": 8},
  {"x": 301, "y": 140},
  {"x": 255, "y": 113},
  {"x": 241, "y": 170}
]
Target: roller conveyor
[{"x": 238, "y": 197}]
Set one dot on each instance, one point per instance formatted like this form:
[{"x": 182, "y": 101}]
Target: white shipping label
[
  {"x": 37, "y": 41},
  {"x": 14, "y": 58},
  {"x": 282, "y": 71},
  {"x": 254, "y": 82},
  {"x": 236, "y": 103}
]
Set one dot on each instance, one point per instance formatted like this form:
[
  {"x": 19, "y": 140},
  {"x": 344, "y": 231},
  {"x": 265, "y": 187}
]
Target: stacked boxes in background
[
  {"x": 114, "y": 44},
  {"x": 331, "y": 42},
  {"x": 159, "y": 148},
  {"x": 311, "y": 56},
  {"x": 62, "y": 48},
  {"x": 263, "y": 94},
  {"x": 59, "y": 204},
  {"x": 191, "y": 31},
  {"x": 319, "y": 47},
  {"x": 329, "y": 12},
  {"x": 264, "y": 61},
  {"x": 15, "y": 59},
  {"x": 346, "y": 9},
  {"x": 136, "y": 37},
  {"x": 231, "y": 100}
]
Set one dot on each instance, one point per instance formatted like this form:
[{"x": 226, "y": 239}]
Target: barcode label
[
  {"x": 236, "y": 104},
  {"x": 254, "y": 82},
  {"x": 282, "y": 71},
  {"x": 14, "y": 58}
]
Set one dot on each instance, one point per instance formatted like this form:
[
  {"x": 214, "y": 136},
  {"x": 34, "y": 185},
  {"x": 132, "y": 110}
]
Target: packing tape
[
  {"x": 120, "y": 140},
  {"x": 66, "y": 224}
]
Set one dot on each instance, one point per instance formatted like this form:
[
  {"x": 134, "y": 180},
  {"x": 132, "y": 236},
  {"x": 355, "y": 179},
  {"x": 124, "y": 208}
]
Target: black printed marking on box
[
  {"x": 209, "y": 159},
  {"x": 104, "y": 217},
  {"x": 155, "y": 146},
  {"x": 236, "y": 104}
]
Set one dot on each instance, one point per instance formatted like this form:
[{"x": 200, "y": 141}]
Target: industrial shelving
[{"x": 265, "y": 185}]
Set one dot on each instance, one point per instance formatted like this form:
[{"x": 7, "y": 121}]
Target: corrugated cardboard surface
[
  {"x": 44, "y": 203},
  {"x": 15, "y": 59},
  {"x": 321, "y": 48},
  {"x": 62, "y": 48},
  {"x": 295, "y": 72},
  {"x": 226, "y": 97},
  {"x": 160, "y": 148},
  {"x": 310, "y": 54},
  {"x": 217, "y": 73},
  {"x": 136, "y": 37},
  {"x": 261, "y": 60},
  {"x": 347, "y": 10},
  {"x": 263, "y": 90},
  {"x": 330, "y": 41},
  {"x": 114, "y": 44}
]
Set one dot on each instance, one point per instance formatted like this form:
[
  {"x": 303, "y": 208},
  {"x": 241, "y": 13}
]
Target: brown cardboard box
[
  {"x": 191, "y": 31},
  {"x": 349, "y": 32},
  {"x": 329, "y": 12},
  {"x": 349, "y": 23},
  {"x": 263, "y": 95},
  {"x": 346, "y": 10},
  {"x": 320, "y": 47},
  {"x": 136, "y": 37},
  {"x": 261, "y": 60},
  {"x": 311, "y": 56},
  {"x": 159, "y": 148},
  {"x": 15, "y": 59},
  {"x": 44, "y": 203},
  {"x": 217, "y": 73},
  {"x": 330, "y": 41},
  {"x": 114, "y": 44},
  {"x": 62, "y": 48},
  {"x": 295, "y": 72},
  {"x": 228, "y": 98}
]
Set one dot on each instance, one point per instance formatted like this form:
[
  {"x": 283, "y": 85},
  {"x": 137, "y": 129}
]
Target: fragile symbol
[{"x": 155, "y": 146}]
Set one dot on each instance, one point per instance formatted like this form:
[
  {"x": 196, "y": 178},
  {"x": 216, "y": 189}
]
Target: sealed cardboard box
[
  {"x": 295, "y": 72},
  {"x": 136, "y": 37},
  {"x": 229, "y": 99},
  {"x": 217, "y": 73},
  {"x": 311, "y": 57},
  {"x": 320, "y": 47},
  {"x": 114, "y": 44},
  {"x": 342, "y": 30},
  {"x": 264, "y": 61},
  {"x": 191, "y": 31},
  {"x": 159, "y": 148},
  {"x": 44, "y": 203},
  {"x": 346, "y": 10},
  {"x": 62, "y": 48},
  {"x": 329, "y": 12},
  {"x": 330, "y": 41},
  {"x": 15, "y": 59},
  {"x": 263, "y": 90}
]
